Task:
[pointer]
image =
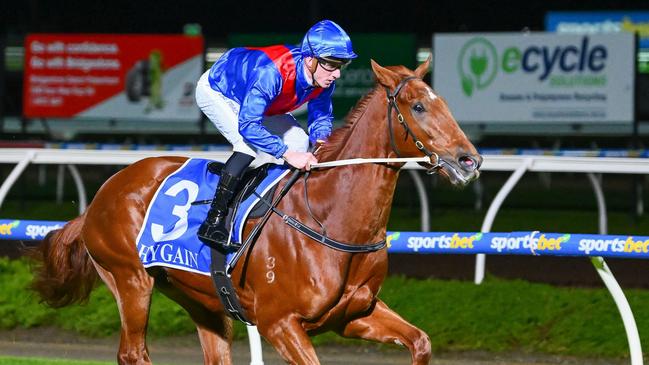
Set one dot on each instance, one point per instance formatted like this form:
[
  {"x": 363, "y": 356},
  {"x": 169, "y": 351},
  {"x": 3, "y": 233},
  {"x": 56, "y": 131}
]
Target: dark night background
[{"x": 219, "y": 18}]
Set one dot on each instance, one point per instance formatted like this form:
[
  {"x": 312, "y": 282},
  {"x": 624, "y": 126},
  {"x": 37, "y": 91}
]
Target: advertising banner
[
  {"x": 536, "y": 77},
  {"x": 20, "y": 229},
  {"x": 592, "y": 22},
  {"x": 493, "y": 243},
  {"x": 143, "y": 77},
  {"x": 519, "y": 243}
]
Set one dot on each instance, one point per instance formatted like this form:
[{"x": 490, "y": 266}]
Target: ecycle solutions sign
[{"x": 537, "y": 77}]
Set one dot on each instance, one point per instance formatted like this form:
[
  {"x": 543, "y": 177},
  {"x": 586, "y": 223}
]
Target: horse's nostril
[{"x": 468, "y": 163}]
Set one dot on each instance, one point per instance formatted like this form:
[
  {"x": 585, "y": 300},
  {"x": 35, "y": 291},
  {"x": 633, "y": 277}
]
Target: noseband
[{"x": 392, "y": 104}]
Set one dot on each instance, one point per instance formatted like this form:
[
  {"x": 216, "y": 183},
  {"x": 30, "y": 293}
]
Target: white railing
[{"x": 518, "y": 164}]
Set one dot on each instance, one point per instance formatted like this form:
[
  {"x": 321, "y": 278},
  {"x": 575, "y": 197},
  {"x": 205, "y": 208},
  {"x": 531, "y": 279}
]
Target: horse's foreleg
[
  {"x": 386, "y": 326},
  {"x": 289, "y": 339},
  {"x": 132, "y": 292}
]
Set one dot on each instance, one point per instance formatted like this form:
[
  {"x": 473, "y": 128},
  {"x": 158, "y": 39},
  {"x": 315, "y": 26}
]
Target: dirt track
[{"x": 186, "y": 350}]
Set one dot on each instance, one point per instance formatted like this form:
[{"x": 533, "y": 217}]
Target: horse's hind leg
[
  {"x": 214, "y": 337},
  {"x": 386, "y": 326},
  {"x": 132, "y": 291},
  {"x": 214, "y": 326},
  {"x": 215, "y": 334}
]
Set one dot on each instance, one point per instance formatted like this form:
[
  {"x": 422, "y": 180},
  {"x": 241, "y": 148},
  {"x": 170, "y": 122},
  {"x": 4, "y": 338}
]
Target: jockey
[{"x": 248, "y": 95}]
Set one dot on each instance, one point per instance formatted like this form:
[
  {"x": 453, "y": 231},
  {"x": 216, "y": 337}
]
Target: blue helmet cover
[{"x": 327, "y": 39}]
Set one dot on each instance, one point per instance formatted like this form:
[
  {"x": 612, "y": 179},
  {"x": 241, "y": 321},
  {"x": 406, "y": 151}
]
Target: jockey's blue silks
[{"x": 272, "y": 80}]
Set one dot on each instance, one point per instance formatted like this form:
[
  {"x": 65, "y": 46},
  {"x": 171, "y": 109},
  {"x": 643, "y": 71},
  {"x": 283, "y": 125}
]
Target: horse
[{"x": 291, "y": 286}]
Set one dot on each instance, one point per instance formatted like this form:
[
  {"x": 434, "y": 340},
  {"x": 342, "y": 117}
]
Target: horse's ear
[
  {"x": 422, "y": 69},
  {"x": 385, "y": 77}
]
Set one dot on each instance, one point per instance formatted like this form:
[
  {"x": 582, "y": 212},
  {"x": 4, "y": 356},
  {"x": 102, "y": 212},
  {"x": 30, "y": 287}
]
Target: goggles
[{"x": 332, "y": 65}]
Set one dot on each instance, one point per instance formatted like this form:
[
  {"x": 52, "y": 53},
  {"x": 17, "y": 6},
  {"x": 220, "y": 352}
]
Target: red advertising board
[{"x": 111, "y": 76}]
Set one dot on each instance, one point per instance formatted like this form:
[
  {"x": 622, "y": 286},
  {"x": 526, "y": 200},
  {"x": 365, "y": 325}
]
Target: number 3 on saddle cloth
[{"x": 168, "y": 234}]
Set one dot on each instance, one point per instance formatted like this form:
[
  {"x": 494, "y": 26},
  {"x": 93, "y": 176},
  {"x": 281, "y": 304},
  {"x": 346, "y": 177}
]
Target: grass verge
[
  {"x": 500, "y": 315},
  {"x": 39, "y": 361}
]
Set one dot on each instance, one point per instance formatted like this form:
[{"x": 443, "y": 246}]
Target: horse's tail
[{"x": 63, "y": 272}]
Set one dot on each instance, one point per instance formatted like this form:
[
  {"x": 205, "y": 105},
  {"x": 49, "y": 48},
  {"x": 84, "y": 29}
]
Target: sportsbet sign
[{"x": 537, "y": 77}]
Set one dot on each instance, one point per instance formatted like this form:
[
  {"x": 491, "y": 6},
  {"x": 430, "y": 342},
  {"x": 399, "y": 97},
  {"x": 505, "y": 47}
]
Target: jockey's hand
[{"x": 300, "y": 160}]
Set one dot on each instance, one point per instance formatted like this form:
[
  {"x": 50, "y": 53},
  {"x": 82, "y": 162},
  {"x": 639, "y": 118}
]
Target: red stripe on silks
[{"x": 286, "y": 101}]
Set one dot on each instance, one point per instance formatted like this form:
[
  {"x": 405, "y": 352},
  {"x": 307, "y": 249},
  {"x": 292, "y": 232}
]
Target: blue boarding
[{"x": 168, "y": 235}]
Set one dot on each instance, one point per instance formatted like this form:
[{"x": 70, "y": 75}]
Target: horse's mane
[{"x": 339, "y": 136}]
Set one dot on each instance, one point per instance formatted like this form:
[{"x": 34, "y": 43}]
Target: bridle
[{"x": 392, "y": 104}]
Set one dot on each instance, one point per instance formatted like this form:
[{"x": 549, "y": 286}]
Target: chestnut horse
[{"x": 292, "y": 286}]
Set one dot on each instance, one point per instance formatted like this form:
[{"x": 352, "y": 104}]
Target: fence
[{"x": 480, "y": 243}]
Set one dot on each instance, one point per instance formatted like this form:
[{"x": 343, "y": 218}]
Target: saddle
[{"x": 249, "y": 182}]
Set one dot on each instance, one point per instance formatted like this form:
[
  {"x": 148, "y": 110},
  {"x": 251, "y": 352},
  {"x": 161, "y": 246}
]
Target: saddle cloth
[{"x": 168, "y": 235}]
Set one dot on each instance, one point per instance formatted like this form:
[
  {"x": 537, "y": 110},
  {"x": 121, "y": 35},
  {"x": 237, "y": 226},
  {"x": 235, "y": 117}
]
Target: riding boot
[{"x": 214, "y": 231}]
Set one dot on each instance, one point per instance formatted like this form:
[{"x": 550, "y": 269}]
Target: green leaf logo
[
  {"x": 477, "y": 65},
  {"x": 467, "y": 86}
]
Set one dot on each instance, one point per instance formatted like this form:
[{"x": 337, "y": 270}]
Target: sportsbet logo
[
  {"x": 529, "y": 241},
  {"x": 454, "y": 242},
  {"x": 565, "y": 65},
  {"x": 600, "y": 245},
  {"x": 389, "y": 238},
  {"x": 5, "y": 229}
]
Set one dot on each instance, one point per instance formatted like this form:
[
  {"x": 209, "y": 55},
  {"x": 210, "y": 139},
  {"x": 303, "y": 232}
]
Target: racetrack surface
[{"x": 54, "y": 343}]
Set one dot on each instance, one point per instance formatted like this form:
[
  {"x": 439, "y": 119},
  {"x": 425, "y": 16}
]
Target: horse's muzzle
[
  {"x": 470, "y": 163},
  {"x": 462, "y": 170}
]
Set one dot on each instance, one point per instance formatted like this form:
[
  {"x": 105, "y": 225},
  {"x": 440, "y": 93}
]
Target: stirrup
[{"x": 216, "y": 238}]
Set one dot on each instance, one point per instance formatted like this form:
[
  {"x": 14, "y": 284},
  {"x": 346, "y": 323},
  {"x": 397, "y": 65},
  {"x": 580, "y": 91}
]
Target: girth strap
[{"x": 224, "y": 288}]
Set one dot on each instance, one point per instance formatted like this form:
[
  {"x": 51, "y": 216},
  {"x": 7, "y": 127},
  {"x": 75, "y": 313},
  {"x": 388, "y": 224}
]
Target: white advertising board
[{"x": 536, "y": 77}]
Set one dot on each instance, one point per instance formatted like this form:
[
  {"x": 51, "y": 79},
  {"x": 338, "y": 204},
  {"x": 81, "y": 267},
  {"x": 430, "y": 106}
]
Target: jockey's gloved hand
[{"x": 300, "y": 160}]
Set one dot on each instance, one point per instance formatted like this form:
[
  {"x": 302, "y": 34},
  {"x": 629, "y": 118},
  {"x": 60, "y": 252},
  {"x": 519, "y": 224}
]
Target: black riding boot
[{"x": 214, "y": 231}]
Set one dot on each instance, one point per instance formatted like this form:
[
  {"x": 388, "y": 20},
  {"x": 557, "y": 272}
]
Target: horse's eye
[{"x": 418, "y": 108}]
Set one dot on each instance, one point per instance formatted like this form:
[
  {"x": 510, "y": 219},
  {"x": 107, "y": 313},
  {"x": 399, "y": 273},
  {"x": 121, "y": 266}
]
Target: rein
[
  {"x": 358, "y": 161},
  {"x": 322, "y": 237},
  {"x": 392, "y": 104},
  {"x": 356, "y": 248}
]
